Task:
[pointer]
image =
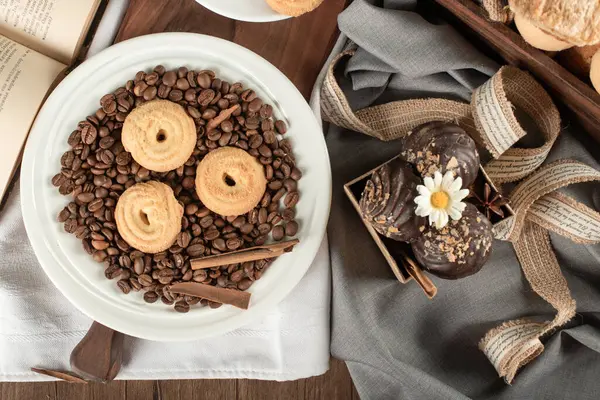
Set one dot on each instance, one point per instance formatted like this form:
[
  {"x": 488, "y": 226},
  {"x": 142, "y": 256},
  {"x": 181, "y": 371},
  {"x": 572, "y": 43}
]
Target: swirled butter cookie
[
  {"x": 294, "y": 8},
  {"x": 230, "y": 181},
  {"x": 160, "y": 135},
  {"x": 148, "y": 216}
]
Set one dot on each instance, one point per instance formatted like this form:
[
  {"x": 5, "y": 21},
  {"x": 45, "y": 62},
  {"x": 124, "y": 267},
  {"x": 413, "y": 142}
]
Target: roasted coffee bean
[
  {"x": 150, "y": 93},
  {"x": 150, "y": 297},
  {"x": 255, "y": 141},
  {"x": 296, "y": 174},
  {"x": 278, "y": 195},
  {"x": 100, "y": 244},
  {"x": 94, "y": 205},
  {"x": 278, "y": 232},
  {"x": 205, "y": 97},
  {"x": 234, "y": 243},
  {"x": 268, "y": 172},
  {"x": 266, "y": 111},
  {"x": 183, "y": 239},
  {"x": 224, "y": 139},
  {"x": 275, "y": 185},
  {"x": 244, "y": 284},
  {"x": 163, "y": 91},
  {"x": 58, "y": 180},
  {"x": 246, "y": 228},
  {"x": 195, "y": 250},
  {"x": 219, "y": 244},
  {"x": 237, "y": 222},
  {"x": 262, "y": 215},
  {"x": 64, "y": 215},
  {"x": 124, "y": 285},
  {"x": 112, "y": 272},
  {"x": 145, "y": 280},
  {"x": 281, "y": 127},
  {"x": 138, "y": 266},
  {"x": 291, "y": 199},
  {"x": 182, "y": 307},
  {"x": 286, "y": 170},
  {"x": 269, "y": 137},
  {"x": 176, "y": 95},
  {"x": 290, "y": 185},
  {"x": 85, "y": 197},
  {"x": 165, "y": 276},
  {"x": 206, "y": 221},
  {"x": 88, "y": 132},
  {"x": 169, "y": 78},
  {"x": 291, "y": 228},
  {"x": 264, "y": 229},
  {"x": 70, "y": 225},
  {"x": 211, "y": 234},
  {"x": 255, "y": 105}
]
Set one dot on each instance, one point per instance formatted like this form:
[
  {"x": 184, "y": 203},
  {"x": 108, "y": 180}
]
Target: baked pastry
[
  {"x": 459, "y": 249},
  {"x": 294, "y": 8},
  {"x": 574, "y": 21},
  {"x": 229, "y": 181},
  {"x": 388, "y": 201},
  {"x": 442, "y": 146},
  {"x": 160, "y": 135},
  {"x": 148, "y": 217},
  {"x": 595, "y": 71},
  {"x": 537, "y": 37}
]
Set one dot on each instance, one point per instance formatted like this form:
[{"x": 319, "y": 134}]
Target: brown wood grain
[
  {"x": 298, "y": 47},
  {"x": 565, "y": 87}
]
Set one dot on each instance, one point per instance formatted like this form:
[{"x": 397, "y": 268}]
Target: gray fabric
[{"x": 397, "y": 343}]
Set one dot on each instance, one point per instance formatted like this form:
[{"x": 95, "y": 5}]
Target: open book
[{"x": 38, "y": 40}]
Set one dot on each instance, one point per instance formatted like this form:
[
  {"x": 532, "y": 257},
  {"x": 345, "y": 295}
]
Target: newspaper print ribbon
[{"x": 538, "y": 207}]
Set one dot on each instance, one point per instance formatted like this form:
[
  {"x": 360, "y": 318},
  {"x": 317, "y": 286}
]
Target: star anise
[{"x": 490, "y": 203}]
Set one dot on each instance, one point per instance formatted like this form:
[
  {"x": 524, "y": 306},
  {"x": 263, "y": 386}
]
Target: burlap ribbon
[{"x": 538, "y": 207}]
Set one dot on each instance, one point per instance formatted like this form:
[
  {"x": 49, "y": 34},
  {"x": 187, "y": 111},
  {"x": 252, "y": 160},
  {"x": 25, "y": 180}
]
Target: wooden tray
[
  {"x": 399, "y": 255},
  {"x": 577, "y": 95}
]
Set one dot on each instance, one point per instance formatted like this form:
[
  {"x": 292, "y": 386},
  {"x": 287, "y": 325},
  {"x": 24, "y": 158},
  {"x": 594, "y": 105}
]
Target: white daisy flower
[{"x": 441, "y": 197}]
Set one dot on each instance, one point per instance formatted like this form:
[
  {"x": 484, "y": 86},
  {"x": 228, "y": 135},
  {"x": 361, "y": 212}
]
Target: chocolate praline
[
  {"x": 459, "y": 249},
  {"x": 388, "y": 201},
  {"x": 442, "y": 146}
]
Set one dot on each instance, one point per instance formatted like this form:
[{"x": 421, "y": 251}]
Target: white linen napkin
[{"x": 39, "y": 327}]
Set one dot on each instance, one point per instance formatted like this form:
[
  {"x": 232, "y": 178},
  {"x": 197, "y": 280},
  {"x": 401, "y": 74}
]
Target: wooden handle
[{"x": 99, "y": 354}]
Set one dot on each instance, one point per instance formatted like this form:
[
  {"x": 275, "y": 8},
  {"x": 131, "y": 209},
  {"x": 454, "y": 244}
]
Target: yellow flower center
[{"x": 440, "y": 200}]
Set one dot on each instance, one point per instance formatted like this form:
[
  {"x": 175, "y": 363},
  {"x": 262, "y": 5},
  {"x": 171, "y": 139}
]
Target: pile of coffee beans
[{"x": 97, "y": 170}]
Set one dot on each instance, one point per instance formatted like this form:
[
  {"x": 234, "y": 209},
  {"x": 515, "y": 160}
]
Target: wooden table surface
[{"x": 298, "y": 47}]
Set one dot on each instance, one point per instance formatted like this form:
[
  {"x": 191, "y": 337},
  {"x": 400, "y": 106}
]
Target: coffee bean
[
  {"x": 85, "y": 197},
  {"x": 234, "y": 243},
  {"x": 182, "y": 307},
  {"x": 291, "y": 199},
  {"x": 88, "y": 132},
  {"x": 175, "y": 95},
  {"x": 264, "y": 229},
  {"x": 281, "y": 127},
  {"x": 278, "y": 232},
  {"x": 163, "y": 91},
  {"x": 112, "y": 272},
  {"x": 291, "y": 228},
  {"x": 100, "y": 244},
  {"x": 296, "y": 174},
  {"x": 150, "y": 93},
  {"x": 138, "y": 266},
  {"x": 262, "y": 215},
  {"x": 124, "y": 286},
  {"x": 246, "y": 228},
  {"x": 94, "y": 205},
  {"x": 183, "y": 239},
  {"x": 58, "y": 180},
  {"x": 150, "y": 297},
  {"x": 255, "y": 141},
  {"x": 195, "y": 250},
  {"x": 244, "y": 284},
  {"x": 286, "y": 170},
  {"x": 169, "y": 78},
  {"x": 145, "y": 280},
  {"x": 278, "y": 195},
  {"x": 268, "y": 172},
  {"x": 211, "y": 234},
  {"x": 219, "y": 244},
  {"x": 165, "y": 276},
  {"x": 255, "y": 105},
  {"x": 64, "y": 215}
]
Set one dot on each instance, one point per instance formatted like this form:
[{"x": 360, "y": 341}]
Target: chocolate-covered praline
[
  {"x": 442, "y": 146},
  {"x": 459, "y": 249},
  {"x": 388, "y": 201}
]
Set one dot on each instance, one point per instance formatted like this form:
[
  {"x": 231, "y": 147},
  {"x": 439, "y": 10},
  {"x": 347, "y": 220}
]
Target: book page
[
  {"x": 52, "y": 27},
  {"x": 25, "y": 77}
]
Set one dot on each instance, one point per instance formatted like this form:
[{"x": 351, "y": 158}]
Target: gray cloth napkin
[{"x": 397, "y": 343}]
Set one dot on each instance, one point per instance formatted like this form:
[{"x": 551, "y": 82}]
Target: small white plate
[
  {"x": 61, "y": 255},
  {"x": 244, "y": 10}
]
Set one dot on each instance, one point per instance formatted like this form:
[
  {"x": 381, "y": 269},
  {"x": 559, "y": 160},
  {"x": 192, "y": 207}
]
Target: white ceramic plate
[
  {"x": 61, "y": 255},
  {"x": 244, "y": 10}
]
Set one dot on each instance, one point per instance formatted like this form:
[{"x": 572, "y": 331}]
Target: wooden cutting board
[{"x": 297, "y": 46}]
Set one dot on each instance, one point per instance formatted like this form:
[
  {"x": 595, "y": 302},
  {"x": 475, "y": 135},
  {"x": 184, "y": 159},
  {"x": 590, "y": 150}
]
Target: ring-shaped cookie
[
  {"x": 148, "y": 216},
  {"x": 230, "y": 181},
  {"x": 160, "y": 135}
]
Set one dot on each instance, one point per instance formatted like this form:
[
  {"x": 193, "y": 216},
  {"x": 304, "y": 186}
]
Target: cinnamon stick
[
  {"x": 240, "y": 256},
  {"x": 236, "y": 298},
  {"x": 223, "y": 115},
  {"x": 423, "y": 280},
  {"x": 62, "y": 375}
]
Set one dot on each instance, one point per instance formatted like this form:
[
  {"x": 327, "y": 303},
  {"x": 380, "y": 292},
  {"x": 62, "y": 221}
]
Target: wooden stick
[
  {"x": 423, "y": 280},
  {"x": 236, "y": 298},
  {"x": 240, "y": 256}
]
